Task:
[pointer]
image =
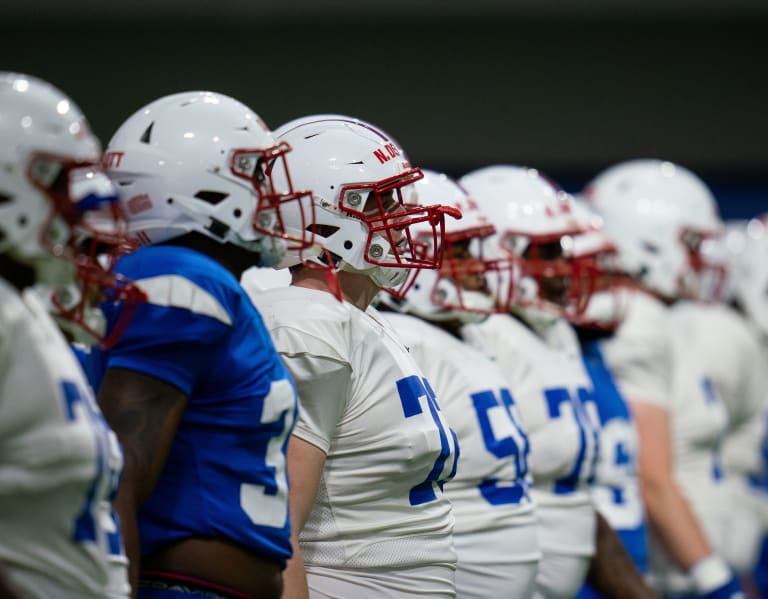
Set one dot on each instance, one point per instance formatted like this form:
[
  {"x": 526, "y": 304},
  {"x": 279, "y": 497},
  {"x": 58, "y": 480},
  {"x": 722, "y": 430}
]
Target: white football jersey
[
  {"x": 733, "y": 359},
  {"x": 489, "y": 492},
  {"x": 552, "y": 390},
  {"x": 639, "y": 353},
  {"x": 59, "y": 465},
  {"x": 736, "y": 362},
  {"x": 655, "y": 359},
  {"x": 365, "y": 402},
  {"x": 699, "y": 416}
]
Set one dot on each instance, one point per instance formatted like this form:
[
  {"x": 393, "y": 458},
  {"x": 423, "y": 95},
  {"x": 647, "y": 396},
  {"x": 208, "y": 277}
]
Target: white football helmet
[
  {"x": 744, "y": 246},
  {"x": 658, "y": 213},
  {"x": 58, "y": 211},
  {"x": 362, "y": 186},
  {"x": 459, "y": 289},
  {"x": 202, "y": 162},
  {"x": 535, "y": 226}
]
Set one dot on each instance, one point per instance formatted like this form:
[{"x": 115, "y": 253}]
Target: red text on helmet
[
  {"x": 386, "y": 154},
  {"x": 112, "y": 159},
  {"x": 139, "y": 203}
]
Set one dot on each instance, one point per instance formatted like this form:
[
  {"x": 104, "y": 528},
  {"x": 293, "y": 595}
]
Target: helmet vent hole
[
  {"x": 4, "y": 199},
  {"x": 237, "y": 212},
  {"x": 212, "y": 197},
  {"x": 348, "y": 245},
  {"x": 147, "y": 135},
  {"x": 22, "y": 220},
  {"x": 169, "y": 201},
  {"x": 323, "y": 230}
]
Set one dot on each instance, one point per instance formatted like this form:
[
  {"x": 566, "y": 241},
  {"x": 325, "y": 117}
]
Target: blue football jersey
[
  {"x": 225, "y": 474},
  {"x": 616, "y": 490}
]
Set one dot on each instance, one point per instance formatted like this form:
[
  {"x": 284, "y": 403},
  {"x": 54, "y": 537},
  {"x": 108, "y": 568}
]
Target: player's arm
[
  {"x": 612, "y": 573},
  {"x": 305, "y": 467},
  {"x": 144, "y": 412},
  {"x": 6, "y": 591},
  {"x": 669, "y": 513},
  {"x": 322, "y": 385}
]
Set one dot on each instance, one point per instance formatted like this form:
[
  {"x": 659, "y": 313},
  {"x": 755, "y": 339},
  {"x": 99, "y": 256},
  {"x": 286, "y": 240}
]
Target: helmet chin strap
[
  {"x": 93, "y": 324},
  {"x": 538, "y": 318},
  {"x": 384, "y": 276},
  {"x": 53, "y": 272},
  {"x": 271, "y": 251},
  {"x": 387, "y": 277}
]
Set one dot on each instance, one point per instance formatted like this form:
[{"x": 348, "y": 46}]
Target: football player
[
  {"x": 615, "y": 489},
  {"x": 539, "y": 354},
  {"x": 737, "y": 352},
  {"x": 59, "y": 462},
  {"x": 496, "y": 529},
  {"x": 195, "y": 390},
  {"x": 371, "y": 449},
  {"x": 658, "y": 213}
]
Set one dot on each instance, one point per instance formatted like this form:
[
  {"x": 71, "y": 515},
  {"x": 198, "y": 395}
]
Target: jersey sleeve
[
  {"x": 169, "y": 342},
  {"x": 640, "y": 355},
  {"x": 322, "y": 384}
]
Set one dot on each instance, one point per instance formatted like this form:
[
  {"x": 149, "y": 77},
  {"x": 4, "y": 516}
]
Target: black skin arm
[
  {"x": 6, "y": 591},
  {"x": 612, "y": 573},
  {"x": 145, "y": 413}
]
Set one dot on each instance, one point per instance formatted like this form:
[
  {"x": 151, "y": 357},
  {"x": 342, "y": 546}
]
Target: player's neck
[
  {"x": 356, "y": 288},
  {"x": 452, "y": 327},
  {"x": 235, "y": 259}
]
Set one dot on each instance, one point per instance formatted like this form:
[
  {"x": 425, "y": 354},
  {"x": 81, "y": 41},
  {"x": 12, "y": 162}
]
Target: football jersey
[
  {"x": 489, "y": 491},
  {"x": 736, "y": 362},
  {"x": 655, "y": 359},
  {"x": 389, "y": 449},
  {"x": 616, "y": 489},
  {"x": 548, "y": 382},
  {"x": 225, "y": 473},
  {"x": 699, "y": 416},
  {"x": 639, "y": 353},
  {"x": 59, "y": 465},
  {"x": 733, "y": 359}
]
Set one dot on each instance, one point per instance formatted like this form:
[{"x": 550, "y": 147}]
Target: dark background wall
[{"x": 569, "y": 87}]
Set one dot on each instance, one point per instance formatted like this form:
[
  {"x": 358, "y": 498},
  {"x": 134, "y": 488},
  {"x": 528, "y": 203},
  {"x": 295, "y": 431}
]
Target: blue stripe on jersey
[{"x": 227, "y": 371}]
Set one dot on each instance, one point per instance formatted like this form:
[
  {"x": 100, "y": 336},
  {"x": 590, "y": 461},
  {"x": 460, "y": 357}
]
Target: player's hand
[
  {"x": 730, "y": 590},
  {"x": 714, "y": 579}
]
